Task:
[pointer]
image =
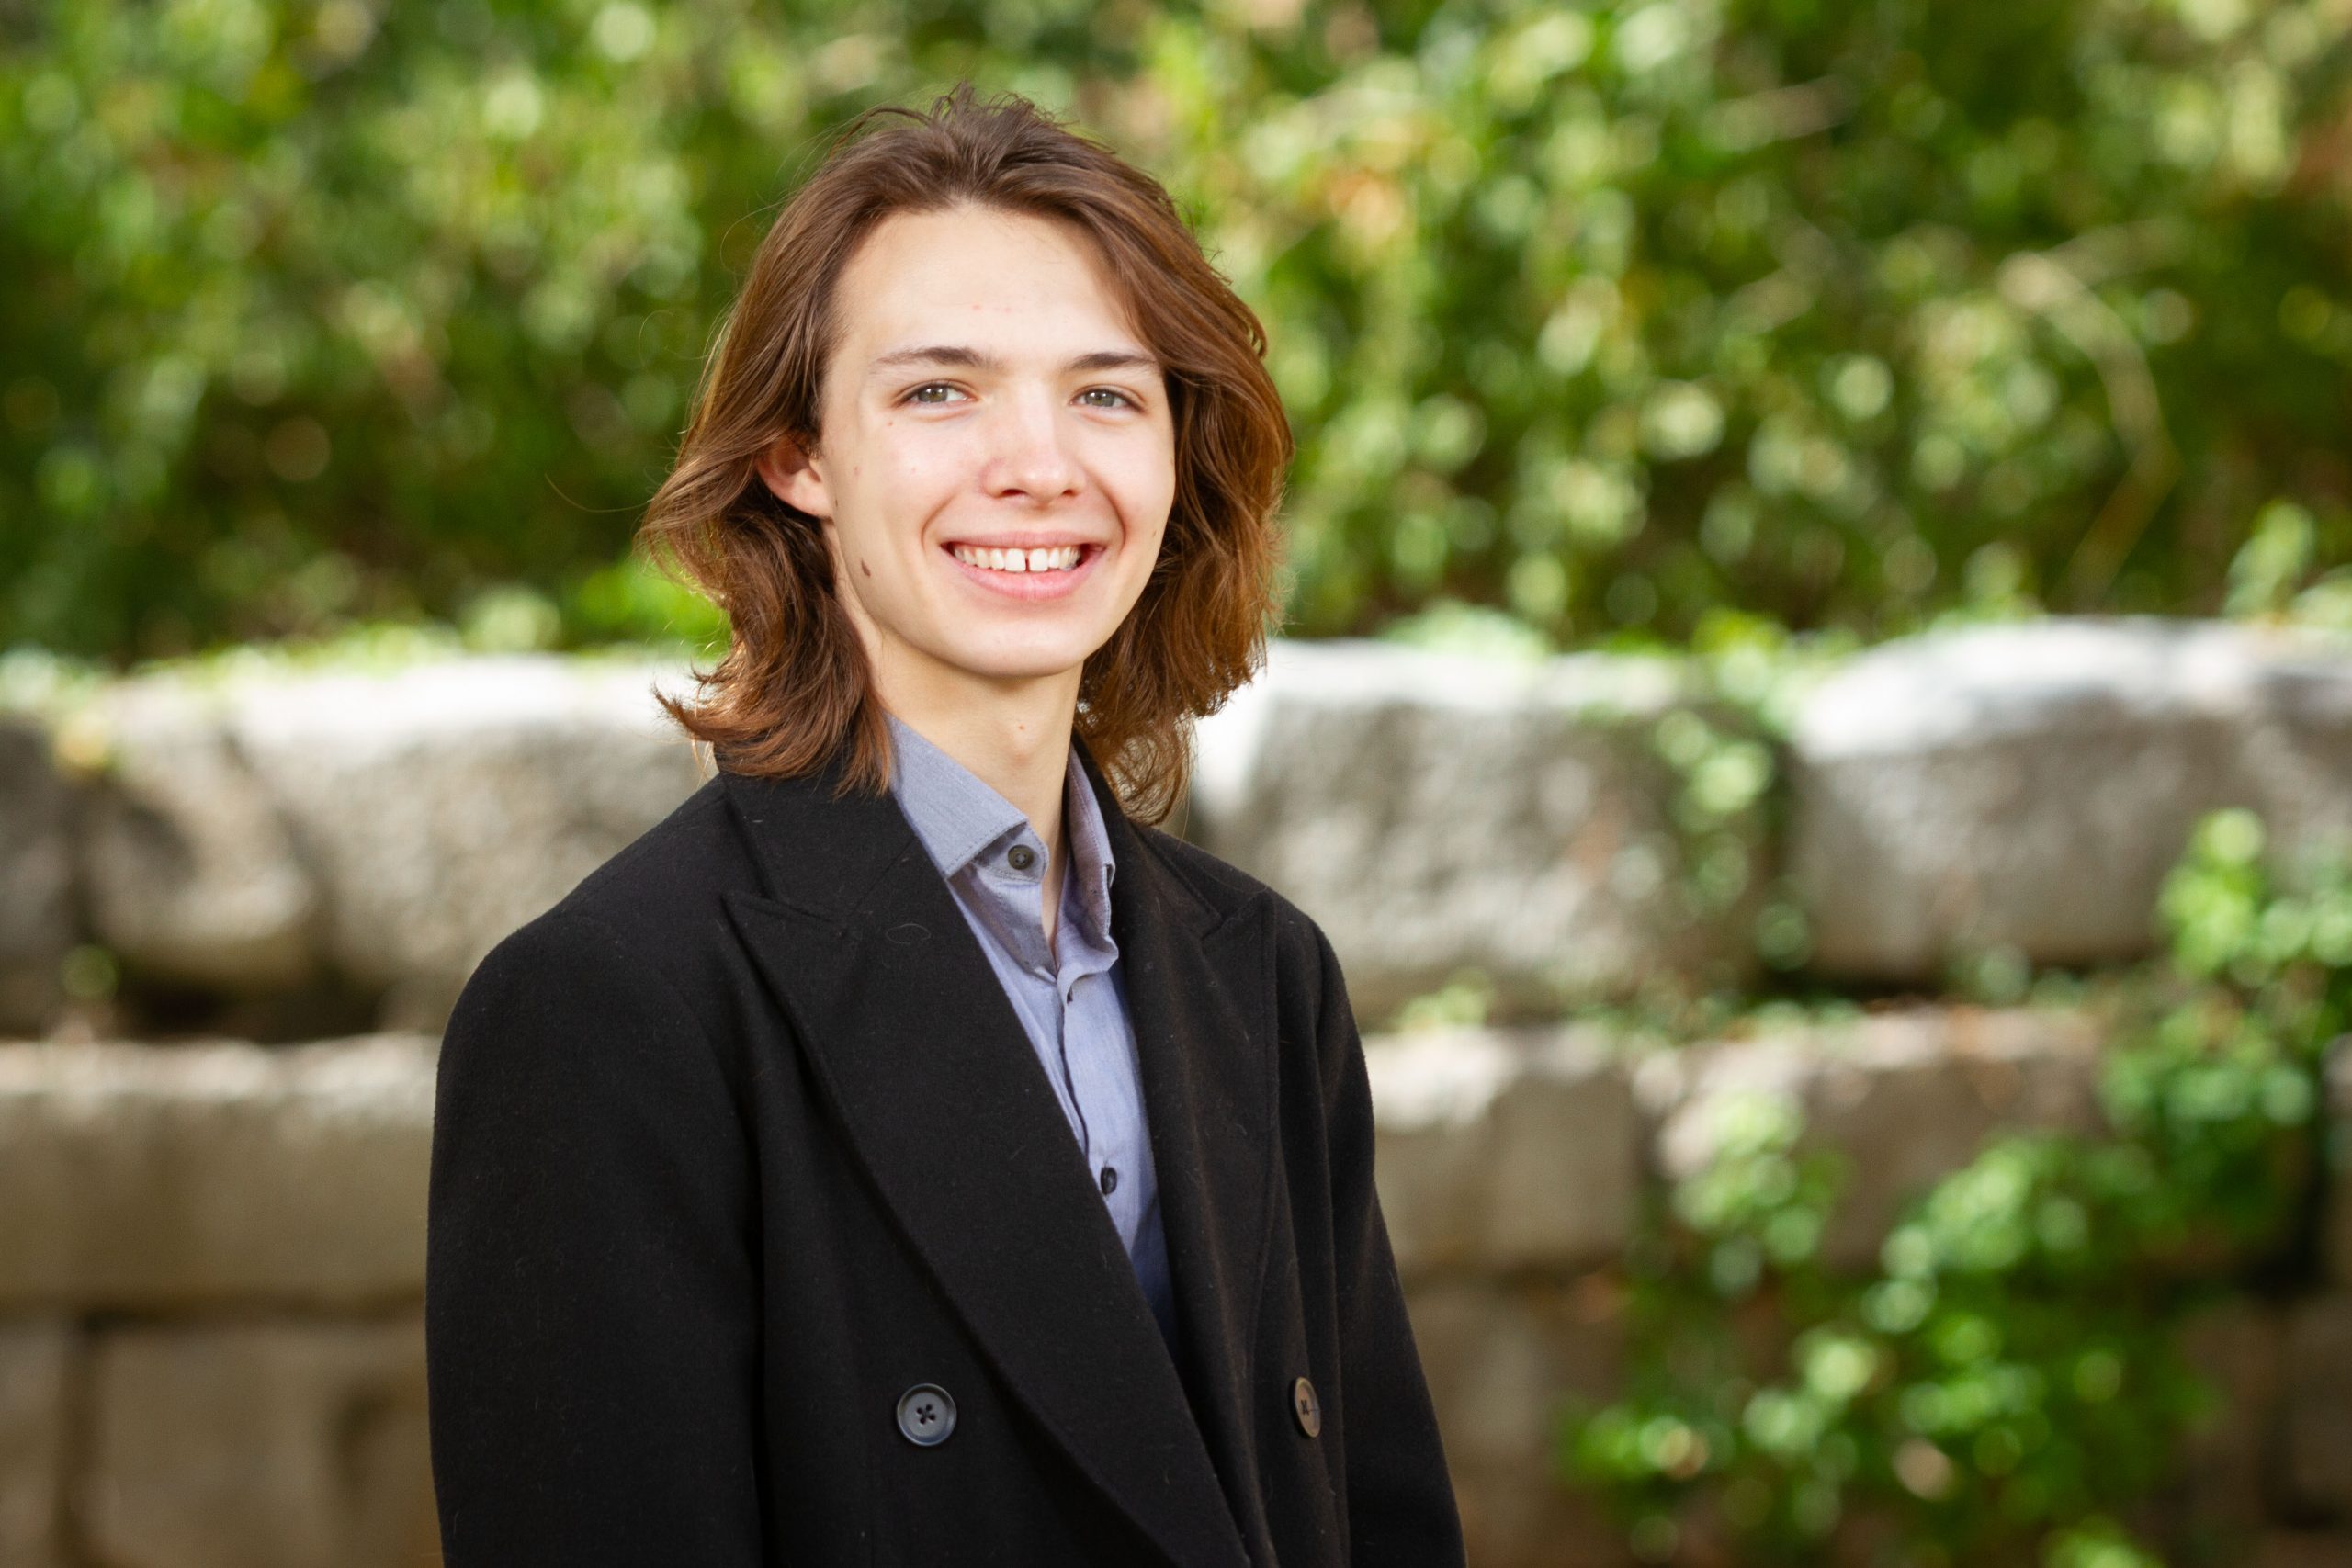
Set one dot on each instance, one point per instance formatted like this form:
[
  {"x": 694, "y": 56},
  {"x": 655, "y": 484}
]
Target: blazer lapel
[
  {"x": 932, "y": 1078},
  {"x": 1198, "y": 981}
]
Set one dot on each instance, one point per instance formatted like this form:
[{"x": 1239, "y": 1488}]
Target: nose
[{"x": 1027, "y": 454}]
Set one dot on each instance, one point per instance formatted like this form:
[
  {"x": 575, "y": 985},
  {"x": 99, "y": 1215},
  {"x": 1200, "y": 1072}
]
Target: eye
[
  {"x": 916, "y": 396},
  {"x": 1108, "y": 392}
]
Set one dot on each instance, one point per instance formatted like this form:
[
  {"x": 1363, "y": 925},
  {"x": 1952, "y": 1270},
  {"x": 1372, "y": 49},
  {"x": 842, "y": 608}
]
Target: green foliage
[
  {"x": 1841, "y": 313},
  {"x": 1837, "y": 314},
  {"x": 322, "y": 312},
  {"x": 2008, "y": 1383},
  {"x": 1464, "y": 1002}
]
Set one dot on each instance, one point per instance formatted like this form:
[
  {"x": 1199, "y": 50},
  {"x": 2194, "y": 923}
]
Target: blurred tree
[
  {"x": 1834, "y": 313},
  {"x": 1839, "y": 312}
]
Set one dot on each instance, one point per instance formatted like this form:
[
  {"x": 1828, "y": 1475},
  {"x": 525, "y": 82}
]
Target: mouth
[
  {"x": 1019, "y": 562},
  {"x": 1044, "y": 573}
]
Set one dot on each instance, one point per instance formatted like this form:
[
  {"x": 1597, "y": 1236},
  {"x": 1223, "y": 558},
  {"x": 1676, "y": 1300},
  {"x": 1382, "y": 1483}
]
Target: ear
[{"x": 791, "y": 471}]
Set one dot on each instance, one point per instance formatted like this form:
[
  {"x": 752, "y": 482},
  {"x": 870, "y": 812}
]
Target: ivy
[{"x": 2008, "y": 1385}]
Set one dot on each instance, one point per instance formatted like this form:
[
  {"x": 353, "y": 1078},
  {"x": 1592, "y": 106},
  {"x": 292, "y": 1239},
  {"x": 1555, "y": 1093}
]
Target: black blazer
[{"x": 743, "y": 1140}]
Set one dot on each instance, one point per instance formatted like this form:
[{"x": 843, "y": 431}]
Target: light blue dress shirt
[{"x": 1069, "y": 993}]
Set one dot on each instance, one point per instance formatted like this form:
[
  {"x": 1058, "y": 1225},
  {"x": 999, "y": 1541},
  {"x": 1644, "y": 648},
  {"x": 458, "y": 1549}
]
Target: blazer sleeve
[
  {"x": 1400, "y": 1499},
  {"x": 591, "y": 1302}
]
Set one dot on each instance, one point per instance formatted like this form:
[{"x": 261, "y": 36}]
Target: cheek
[
  {"x": 1152, "y": 530},
  {"x": 1144, "y": 542},
  {"x": 914, "y": 447},
  {"x": 891, "y": 488},
  {"x": 1145, "y": 487},
  {"x": 913, "y": 477}
]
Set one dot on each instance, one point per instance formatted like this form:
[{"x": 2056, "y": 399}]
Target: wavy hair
[{"x": 793, "y": 687}]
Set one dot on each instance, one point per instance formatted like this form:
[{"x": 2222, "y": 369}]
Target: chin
[{"x": 1020, "y": 665}]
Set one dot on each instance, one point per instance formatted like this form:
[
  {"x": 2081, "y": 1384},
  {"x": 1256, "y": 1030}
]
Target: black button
[
  {"x": 926, "y": 1415},
  {"x": 1021, "y": 856},
  {"x": 1109, "y": 1180},
  {"x": 1304, "y": 1405}
]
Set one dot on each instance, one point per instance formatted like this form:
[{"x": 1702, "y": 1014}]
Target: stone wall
[
  {"x": 312, "y": 850},
  {"x": 211, "y": 1342},
  {"x": 2028, "y": 785},
  {"x": 234, "y": 906},
  {"x": 281, "y": 837},
  {"x": 1513, "y": 1164},
  {"x": 213, "y": 1254}
]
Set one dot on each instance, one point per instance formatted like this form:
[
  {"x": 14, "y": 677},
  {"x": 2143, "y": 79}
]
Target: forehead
[{"x": 1014, "y": 282}]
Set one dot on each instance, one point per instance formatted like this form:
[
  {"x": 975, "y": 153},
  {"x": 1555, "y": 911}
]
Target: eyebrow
[{"x": 977, "y": 359}]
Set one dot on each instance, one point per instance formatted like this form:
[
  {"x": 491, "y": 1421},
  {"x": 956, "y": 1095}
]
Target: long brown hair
[{"x": 794, "y": 686}]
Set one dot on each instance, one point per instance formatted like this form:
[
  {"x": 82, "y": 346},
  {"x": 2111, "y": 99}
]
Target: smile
[
  {"x": 1062, "y": 558},
  {"x": 1049, "y": 571}
]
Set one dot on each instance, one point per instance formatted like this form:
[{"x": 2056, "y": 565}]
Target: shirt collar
[
  {"x": 1089, "y": 846},
  {"x": 957, "y": 815},
  {"x": 952, "y": 809}
]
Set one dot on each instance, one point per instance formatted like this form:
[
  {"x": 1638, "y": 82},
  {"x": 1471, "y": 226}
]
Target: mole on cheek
[{"x": 864, "y": 568}]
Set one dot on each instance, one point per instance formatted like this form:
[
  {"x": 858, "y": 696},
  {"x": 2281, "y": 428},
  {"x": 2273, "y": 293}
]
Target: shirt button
[
  {"x": 1021, "y": 856},
  {"x": 1109, "y": 1180}
]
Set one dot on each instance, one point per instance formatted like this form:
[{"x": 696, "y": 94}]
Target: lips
[
  {"x": 1045, "y": 557},
  {"x": 1029, "y": 586}
]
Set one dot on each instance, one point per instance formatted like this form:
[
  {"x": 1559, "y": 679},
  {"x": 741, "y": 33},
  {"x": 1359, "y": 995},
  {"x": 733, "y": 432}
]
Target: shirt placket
[
  {"x": 1011, "y": 893},
  {"x": 1102, "y": 1080}
]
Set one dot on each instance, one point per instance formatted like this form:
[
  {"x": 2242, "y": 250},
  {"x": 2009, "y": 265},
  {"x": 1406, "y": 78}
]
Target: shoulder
[
  {"x": 668, "y": 882},
  {"x": 568, "y": 1045},
  {"x": 1314, "y": 1031},
  {"x": 1303, "y": 954},
  {"x": 1217, "y": 884},
  {"x": 640, "y": 928}
]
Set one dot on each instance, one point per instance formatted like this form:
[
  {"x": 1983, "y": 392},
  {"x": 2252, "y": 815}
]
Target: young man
[{"x": 904, "y": 1154}]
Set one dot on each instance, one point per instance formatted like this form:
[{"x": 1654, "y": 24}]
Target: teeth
[{"x": 1061, "y": 558}]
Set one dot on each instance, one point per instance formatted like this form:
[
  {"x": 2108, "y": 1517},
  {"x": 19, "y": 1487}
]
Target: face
[{"x": 996, "y": 456}]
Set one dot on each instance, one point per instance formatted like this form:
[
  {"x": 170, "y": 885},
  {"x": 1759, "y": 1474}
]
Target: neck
[{"x": 1014, "y": 735}]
